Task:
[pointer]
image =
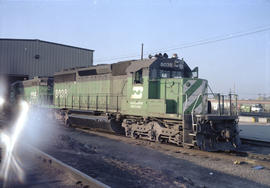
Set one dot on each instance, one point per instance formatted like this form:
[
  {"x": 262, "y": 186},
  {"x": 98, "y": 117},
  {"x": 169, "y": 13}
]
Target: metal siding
[{"x": 18, "y": 57}]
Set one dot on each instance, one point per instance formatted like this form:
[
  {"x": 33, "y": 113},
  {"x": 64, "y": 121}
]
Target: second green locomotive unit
[
  {"x": 158, "y": 99},
  {"x": 37, "y": 91}
]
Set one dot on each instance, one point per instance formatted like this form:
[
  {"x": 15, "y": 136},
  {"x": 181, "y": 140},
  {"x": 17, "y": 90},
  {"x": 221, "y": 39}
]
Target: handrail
[
  {"x": 230, "y": 101},
  {"x": 192, "y": 111},
  {"x": 185, "y": 104}
]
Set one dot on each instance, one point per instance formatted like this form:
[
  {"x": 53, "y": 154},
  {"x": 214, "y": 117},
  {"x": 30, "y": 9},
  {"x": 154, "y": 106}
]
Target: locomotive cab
[{"x": 162, "y": 83}]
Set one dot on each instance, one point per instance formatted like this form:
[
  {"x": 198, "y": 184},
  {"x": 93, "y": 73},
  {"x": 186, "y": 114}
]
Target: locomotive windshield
[
  {"x": 170, "y": 68},
  {"x": 170, "y": 74}
]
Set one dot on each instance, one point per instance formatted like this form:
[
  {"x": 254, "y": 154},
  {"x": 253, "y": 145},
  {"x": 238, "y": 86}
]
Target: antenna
[{"x": 142, "y": 52}]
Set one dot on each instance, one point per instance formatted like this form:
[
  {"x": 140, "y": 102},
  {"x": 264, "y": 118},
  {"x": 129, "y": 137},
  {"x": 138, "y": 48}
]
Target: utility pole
[
  {"x": 259, "y": 96},
  {"x": 142, "y": 52}
]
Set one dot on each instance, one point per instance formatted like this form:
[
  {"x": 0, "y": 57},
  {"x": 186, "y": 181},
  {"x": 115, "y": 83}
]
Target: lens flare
[
  {"x": 5, "y": 139},
  {"x": 2, "y": 101},
  {"x": 10, "y": 159}
]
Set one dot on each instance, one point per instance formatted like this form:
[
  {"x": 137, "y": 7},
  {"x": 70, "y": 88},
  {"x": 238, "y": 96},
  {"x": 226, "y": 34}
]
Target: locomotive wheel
[{"x": 134, "y": 135}]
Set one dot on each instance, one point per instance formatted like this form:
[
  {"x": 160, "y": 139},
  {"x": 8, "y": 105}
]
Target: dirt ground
[{"x": 123, "y": 162}]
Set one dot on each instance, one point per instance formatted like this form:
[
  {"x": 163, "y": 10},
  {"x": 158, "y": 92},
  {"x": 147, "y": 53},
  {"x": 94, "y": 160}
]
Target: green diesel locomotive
[
  {"x": 37, "y": 91},
  {"x": 158, "y": 99}
]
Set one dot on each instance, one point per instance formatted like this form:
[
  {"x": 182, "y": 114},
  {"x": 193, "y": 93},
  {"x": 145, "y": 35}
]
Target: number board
[{"x": 177, "y": 65}]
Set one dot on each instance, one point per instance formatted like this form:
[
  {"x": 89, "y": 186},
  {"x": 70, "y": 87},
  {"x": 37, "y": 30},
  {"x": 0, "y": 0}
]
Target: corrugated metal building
[{"x": 40, "y": 58}]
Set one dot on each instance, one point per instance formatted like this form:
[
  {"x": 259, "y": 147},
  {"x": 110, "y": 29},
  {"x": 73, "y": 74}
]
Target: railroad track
[
  {"x": 51, "y": 172},
  {"x": 70, "y": 177},
  {"x": 251, "y": 141},
  {"x": 81, "y": 180},
  {"x": 78, "y": 178},
  {"x": 241, "y": 155}
]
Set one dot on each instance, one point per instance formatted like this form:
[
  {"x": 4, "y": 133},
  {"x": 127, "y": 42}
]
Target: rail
[
  {"x": 90, "y": 102},
  {"x": 220, "y": 104},
  {"x": 95, "y": 102},
  {"x": 217, "y": 104},
  {"x": 223, "y": 104},
  {"x": 192, "y": 111},
  {"x": 257, "y": 114},
  {"x": 255, "y": 142},
  {"x": 185, "y": 105},
  {"x": 80, "y": 178}
]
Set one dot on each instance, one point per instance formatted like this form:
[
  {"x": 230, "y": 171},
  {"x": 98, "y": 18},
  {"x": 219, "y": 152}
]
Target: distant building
[{"x": 30, "y": 58}]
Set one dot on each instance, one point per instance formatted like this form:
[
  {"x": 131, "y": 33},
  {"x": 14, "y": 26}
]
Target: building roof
[{"x": 37, "y": 40}]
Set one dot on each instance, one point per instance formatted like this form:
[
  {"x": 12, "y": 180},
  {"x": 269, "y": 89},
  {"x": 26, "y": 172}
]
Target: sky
[{"x": 116, "y": 29}]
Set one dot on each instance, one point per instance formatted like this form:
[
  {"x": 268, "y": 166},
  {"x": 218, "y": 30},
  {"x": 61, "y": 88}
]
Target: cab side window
[{"x": 138, "y": 79}]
